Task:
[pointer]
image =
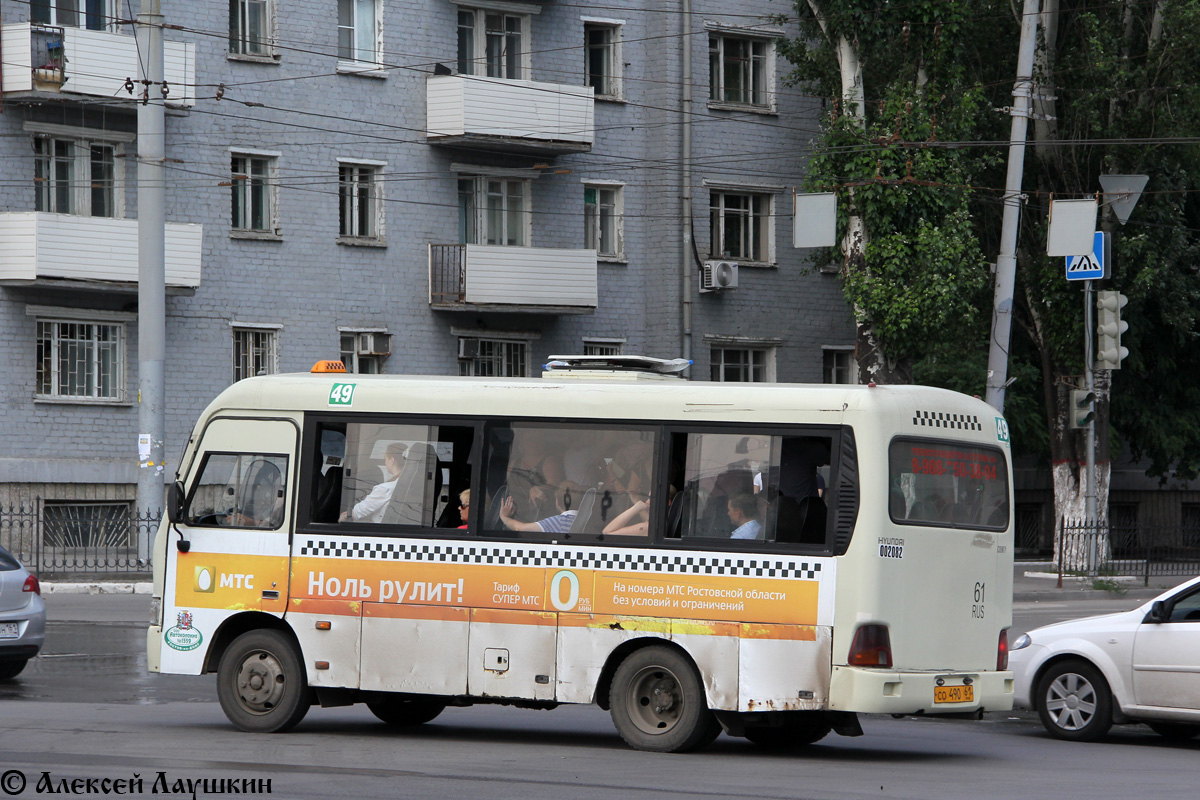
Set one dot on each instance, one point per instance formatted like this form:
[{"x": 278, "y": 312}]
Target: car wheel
[
  {"x": 804, "y": 728},
  {"x": 1074, "y": 702},
  {"x": 261, "y": 683},
  {"x": 11, "y": 669},
  {"x": 1175, "y": 731},
  {"x": 658, "y": 703},
  {"x": 406, "y": 710}
]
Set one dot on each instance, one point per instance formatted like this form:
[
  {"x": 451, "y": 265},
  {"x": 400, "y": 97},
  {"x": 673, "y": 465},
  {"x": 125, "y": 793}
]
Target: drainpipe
[{"x": 686, "y": 268}]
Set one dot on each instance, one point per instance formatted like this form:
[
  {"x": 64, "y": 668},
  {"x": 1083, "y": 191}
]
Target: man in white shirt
[
  {"x": 372, "y": 507},
  {"x": 743, "y": 513}
]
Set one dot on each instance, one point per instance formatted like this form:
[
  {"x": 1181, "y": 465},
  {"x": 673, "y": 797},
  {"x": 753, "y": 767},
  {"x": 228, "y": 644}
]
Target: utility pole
[
  {"x": 151, "y": 123},
  {"x": 687, "y": 270},
  {"x": 1006, "y": 263}
]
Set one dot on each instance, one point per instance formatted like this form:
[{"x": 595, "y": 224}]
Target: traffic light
[
  {"x": 1083, "y": 408},
  {"x": 1109, "y": 328}
]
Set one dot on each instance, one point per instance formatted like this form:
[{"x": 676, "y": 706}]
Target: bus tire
[
  {"x": 261, "y": 683},
  {"x": 802, "y": 728},
  {"x": 406, "y": 710},
  {"x": 1074, "y": 702},
  {"x": 658, "y": 702}
]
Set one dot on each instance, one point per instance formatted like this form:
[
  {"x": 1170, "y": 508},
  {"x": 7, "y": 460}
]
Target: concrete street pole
[
  {"x": 1006, "y": 263},
  {"x": 687, "y": 274},
  {"x": 151, "y": 270}
]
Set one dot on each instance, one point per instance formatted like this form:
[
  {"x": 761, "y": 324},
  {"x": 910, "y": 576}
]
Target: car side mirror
[
  {"x": 1158, "y": 613},
  {"x": 175, "y": 499}
]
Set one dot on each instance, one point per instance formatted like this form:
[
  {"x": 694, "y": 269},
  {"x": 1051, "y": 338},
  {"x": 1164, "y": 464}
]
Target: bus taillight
[
  {"x": 1002, "y": 652},
  {"x": 872, "y": 647}
]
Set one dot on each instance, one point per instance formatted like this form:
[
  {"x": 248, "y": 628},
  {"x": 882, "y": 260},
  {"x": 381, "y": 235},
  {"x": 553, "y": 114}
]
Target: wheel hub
[
  {"x": 260, "y": 682},
  {"x": 656, "y": 701}
]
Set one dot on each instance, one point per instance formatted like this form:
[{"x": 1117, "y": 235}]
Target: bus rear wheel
[
  {"x": 797, "y": 730},
  {"x": 261, "y": 683},
  {"x": 406, "y": 710},
  {"x": 658, "y": 703}
]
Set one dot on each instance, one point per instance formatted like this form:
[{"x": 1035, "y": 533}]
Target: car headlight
[{"x": 1022, "y": 642}]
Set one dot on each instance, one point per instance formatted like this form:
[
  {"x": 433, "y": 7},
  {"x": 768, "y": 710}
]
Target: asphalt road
[{"x": 87, "y": 709}]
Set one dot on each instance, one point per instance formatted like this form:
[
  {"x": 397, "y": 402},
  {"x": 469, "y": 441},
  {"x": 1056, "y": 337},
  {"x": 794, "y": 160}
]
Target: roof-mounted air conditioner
[{"x": 717, "y": 276}]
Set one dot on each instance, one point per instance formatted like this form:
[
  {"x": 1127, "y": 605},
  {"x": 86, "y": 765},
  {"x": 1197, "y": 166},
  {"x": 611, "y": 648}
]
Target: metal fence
[
  {"x": 447, "y": 273},
  {"x": 1098, "y": 549},
  {"x": 79, "y": 538}
]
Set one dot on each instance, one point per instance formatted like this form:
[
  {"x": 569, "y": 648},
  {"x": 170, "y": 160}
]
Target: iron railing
[
  {"x": 57, "y": 544},
  {"x": 447, "y": 273},
  {"x": 1096, "y": 549}
]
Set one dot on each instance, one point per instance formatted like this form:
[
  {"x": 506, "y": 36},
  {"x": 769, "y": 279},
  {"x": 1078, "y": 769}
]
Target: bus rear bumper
[{"x": 883, "y": 691}]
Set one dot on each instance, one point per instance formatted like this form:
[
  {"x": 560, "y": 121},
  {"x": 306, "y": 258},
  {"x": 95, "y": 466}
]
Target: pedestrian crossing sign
[{"x": 1091, "y": 266}]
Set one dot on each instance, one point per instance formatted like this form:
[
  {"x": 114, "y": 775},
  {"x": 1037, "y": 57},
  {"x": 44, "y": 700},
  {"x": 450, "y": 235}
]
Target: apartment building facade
[{"x": 451, "y": 187}]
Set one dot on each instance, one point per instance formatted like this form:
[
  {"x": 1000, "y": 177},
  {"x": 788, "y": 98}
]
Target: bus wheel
[
  {"x": 404, "y": 710},
  {"x": 658, "y": 703},
  {"x": 796, "y": 731},
  {"x": 1074, "y": 702},
  {"x": 261, "y": 683}
]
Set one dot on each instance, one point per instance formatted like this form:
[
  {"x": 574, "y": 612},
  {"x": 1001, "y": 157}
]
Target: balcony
[
  {"x": 38, "y": 248},
  {"x": 45, "y": 60},
  {"x": 514, "y": 116},
  {"x": 539, "y": 280}
]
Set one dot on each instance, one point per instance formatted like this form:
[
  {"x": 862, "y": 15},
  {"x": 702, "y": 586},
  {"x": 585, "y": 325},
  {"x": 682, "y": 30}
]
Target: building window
[
  {"x": 739, "y": 70},
  {"x": 95, "y": 14},
  {"x": 839, "y": 367},
  {"x": 494, "y": 211},
  {"x": 1190, "y": 524},
  {"x": 360, "y": 201},
  {"x": 743, "y": 364},
  {"x": 358, "y": 31},
  {"x": 365, "y": 351},
  {"x": 741, "y": 225},
  {"x": 58, "y": 162},
  {"x": 250, "y": 28},
  {"x": 602, "y": 44},
  {"x": 80, "y": 360},
  {"x": 254, "y": 352},
  {"x": 494, "y": 358},
  {"x": 1123, "y": 529},
  {"x": 492, "y": 44},
  {"x": 603, "y": 217},
  {"x": 602, "y": 347},
  {"x": 87, "y": 525},
  {"x": 254, "y": 197}
]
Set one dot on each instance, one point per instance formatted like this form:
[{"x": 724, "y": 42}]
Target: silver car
[{"x": 22, "y": 616}]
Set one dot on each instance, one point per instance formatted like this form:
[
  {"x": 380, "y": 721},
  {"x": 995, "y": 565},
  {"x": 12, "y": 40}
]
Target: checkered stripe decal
[
  {"x": 940, "y": 419},
  {"x": 563, "y": 557}
]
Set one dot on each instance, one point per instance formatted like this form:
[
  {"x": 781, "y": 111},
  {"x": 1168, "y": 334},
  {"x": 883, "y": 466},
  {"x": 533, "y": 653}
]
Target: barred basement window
[
  {"x": 95, "y": 525},
  {"x": 82, "y": 360}
]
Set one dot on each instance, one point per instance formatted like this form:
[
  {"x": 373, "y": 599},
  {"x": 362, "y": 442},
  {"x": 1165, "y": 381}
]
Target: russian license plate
[
  {"x": 954, "y": 694},
  {"x": 9, "y": 630}
]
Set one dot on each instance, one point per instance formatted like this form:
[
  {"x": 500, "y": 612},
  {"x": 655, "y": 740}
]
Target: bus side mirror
[
  {"x": 1158, "y": 613},
  {"x": 175, "y": 497}
]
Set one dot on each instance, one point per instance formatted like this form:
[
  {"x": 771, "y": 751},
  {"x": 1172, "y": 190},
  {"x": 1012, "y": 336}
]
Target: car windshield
[{"x": 7, "y": 562}]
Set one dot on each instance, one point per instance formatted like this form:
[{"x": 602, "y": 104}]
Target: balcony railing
[
  {"x": 49, "y": 58},
  {"x": 477, "y": 277},
  {"x": 519, "y": 116},
  {"x": 39, "y": 246}
]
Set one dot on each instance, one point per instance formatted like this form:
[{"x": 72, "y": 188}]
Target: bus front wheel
[
  {"x": 658, "y": 703},
  {"x": 261, "y": 683}
]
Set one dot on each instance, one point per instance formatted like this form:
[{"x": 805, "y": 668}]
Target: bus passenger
[
  {"x": 464, "y": 507},
  {"x": 372, "y": 507},
  {"x": 623, "y": 524},
  {"x": 559, "y": 523},
  {"x": 743, "y": 513}
]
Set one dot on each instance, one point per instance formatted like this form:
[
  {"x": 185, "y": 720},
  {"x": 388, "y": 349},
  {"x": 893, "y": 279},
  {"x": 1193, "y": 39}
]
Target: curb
[{"x": 97, "y": 587}]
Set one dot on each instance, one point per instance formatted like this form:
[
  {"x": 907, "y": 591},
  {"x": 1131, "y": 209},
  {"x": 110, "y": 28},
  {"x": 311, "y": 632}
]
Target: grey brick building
[{"x": 420, "y": 187}]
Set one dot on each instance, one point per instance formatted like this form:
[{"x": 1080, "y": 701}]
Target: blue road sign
[{"x": 1089, "y": 267}]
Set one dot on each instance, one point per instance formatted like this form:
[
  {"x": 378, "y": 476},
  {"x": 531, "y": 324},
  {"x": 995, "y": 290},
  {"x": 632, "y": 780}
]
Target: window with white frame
[
  {"x": 251, "y": 28},
  {"x": 77, "y": 176},
  {"x": 602, "y": 58},
  {"x": 603, "y": 347},
  {"x": 740, "y": 225},
  {"x": 96, "y": 15},
  {"x": 358, "y": 31},
  {"x": 360, "y": 201},
  {"x": 740, "y": 70},
  {"x": 254, "y": 194},
  {"x": 603, "y": 220},
  {"x": 80, "y": 360},
  {"x": 492, "y": 43},
  {"x": 494, "y": 210},
  {"x": 365, "y": 351},
  {"x": 255, "y": 352},
  {"x": 743, "y": 364},
  {"x": 498, "y": 358},
  {"x": 839, "y": 366}
]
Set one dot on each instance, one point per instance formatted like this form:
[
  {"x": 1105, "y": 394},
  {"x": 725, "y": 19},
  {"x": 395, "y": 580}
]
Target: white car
[{"x": 1143, "y": 665}]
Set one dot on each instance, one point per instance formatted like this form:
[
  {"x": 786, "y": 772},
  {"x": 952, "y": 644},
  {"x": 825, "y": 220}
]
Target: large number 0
[{"x": 556, "y": 590}]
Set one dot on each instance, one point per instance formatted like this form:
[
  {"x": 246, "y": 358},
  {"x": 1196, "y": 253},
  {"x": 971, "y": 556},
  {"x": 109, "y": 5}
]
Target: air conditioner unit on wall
[
  {"x": 374, "y": 344},
  {"x": 468, "y": 347},
  {"x": 717, "y": 276}
]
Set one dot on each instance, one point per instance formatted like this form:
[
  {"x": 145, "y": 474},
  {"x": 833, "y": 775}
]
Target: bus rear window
[{"x": 947, "y": 484}]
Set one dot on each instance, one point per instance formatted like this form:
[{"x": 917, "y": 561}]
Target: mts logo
[{"x": 232, "y": 580}]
